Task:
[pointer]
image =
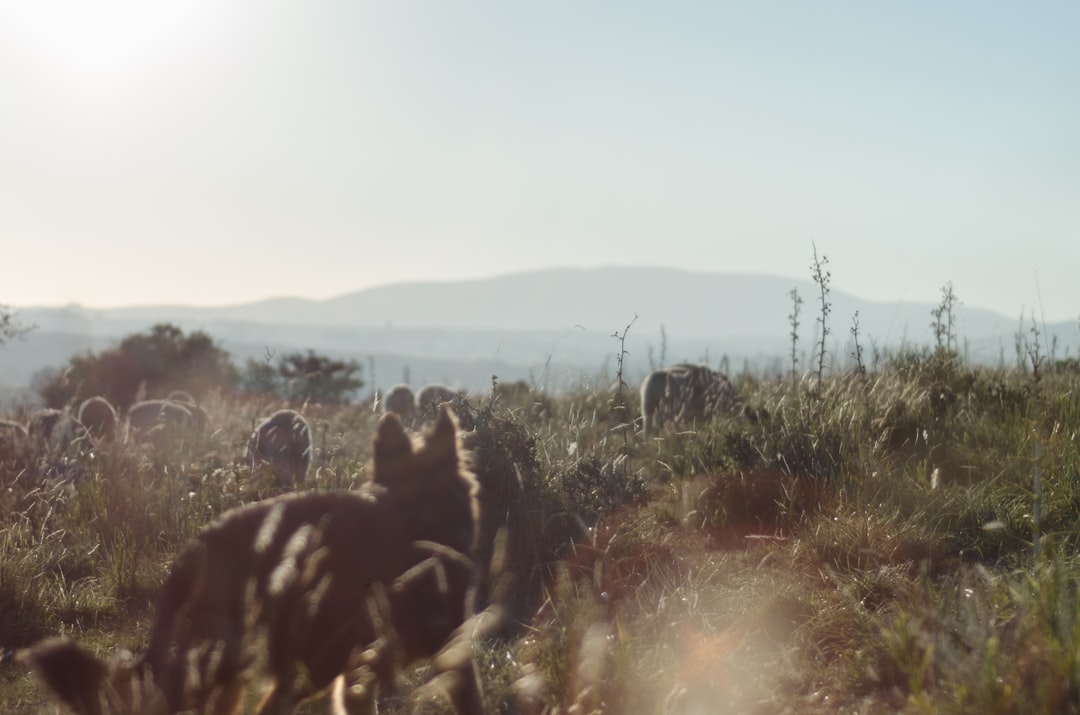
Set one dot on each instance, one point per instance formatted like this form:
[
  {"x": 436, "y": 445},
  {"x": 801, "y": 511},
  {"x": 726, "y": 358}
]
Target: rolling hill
[{"x": 546, "y": 326}]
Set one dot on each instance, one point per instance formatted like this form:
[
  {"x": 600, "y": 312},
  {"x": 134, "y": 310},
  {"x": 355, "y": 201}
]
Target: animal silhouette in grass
[
  {"x": 282, "y": 441},
  {"x": 326, "y": 593},
  {"x": 683, "y": 393}
]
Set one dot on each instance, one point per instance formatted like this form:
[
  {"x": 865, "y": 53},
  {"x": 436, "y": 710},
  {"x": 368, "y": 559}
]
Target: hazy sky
[{"x": 216, "y": 152}]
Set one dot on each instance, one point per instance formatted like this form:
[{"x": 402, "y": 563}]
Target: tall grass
[{"x": 859, "y": 542}]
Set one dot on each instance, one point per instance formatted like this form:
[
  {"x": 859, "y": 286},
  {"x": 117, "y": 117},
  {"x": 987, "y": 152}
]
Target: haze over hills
[
  {"x": 552, "y": 327},
  {"x": 689, "y": 304}
]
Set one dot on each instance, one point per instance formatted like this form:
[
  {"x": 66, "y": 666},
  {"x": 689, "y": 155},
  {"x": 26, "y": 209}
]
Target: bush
[{"x": 144, "y": 364}]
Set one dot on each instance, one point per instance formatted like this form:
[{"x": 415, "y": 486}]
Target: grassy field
[{"x": 900, "y": 539}]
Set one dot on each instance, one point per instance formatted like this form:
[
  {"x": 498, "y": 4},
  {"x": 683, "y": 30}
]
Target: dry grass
[{"x": 865, "y": 547}]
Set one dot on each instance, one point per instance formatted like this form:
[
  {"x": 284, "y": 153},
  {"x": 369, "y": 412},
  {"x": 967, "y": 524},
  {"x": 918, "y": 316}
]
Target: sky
[{"x": 214, "y": 152}]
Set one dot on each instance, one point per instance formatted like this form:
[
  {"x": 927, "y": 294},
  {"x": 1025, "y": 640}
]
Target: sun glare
[{"x": 103, "y": 40}]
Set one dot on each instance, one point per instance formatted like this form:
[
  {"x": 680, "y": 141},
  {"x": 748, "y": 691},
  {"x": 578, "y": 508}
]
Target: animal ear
[
  {"x": 391, "y": 442},
  {"x": 74, "y": 674},
  {"x": 444, "y": 432},
  {"x": 446, "y": 423}
]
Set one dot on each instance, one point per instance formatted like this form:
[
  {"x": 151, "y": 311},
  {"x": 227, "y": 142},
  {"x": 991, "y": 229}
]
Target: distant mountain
[
  {"x": 688, "y": 304},
  {"x": 550, "y": 326}
]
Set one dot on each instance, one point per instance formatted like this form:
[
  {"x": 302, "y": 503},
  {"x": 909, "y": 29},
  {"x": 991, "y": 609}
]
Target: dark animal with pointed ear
[
  {"x": 99, "y": 417},
  {"x": 317, "y": 593},
  {"x": 283, "y": 441}
]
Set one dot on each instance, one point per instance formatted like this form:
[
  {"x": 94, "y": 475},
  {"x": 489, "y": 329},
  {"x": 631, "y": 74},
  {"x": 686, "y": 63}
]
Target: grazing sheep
[
  {"x": 429, "y": 397},
  {"x": 14, "y": 441},
  {"x": 157, "y": 421},
  {"x": 200, "y": 419},
  {"x": 283, "y": 441},
  {"x": 99, "y": 417},
  {"x": 57, "y": 431},
  {"x": 182, "y": 396},
  {"x": 682, "y": 392},
  {"x": 313, "y": 594},
  {"x": 521, "y": 395},
  {"x": 42, "y": 423},
  {"x": 400, "y": 401}
]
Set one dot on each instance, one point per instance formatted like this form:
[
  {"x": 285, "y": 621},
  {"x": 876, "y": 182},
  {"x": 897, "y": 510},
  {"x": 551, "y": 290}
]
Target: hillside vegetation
[{"x": 900, "y": 537}]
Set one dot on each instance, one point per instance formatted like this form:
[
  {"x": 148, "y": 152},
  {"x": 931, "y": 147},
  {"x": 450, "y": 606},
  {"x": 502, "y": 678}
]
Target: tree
[
  {"x": 260, "y": 377},
  {"x": 10, "y": 327},
  {"x": 152, "y": 363},
  {"x": 318, "y": 377}
]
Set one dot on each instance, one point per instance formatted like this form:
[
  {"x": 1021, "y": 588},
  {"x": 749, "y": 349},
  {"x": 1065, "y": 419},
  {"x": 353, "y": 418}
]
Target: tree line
[{"x": 164, "y": 359}]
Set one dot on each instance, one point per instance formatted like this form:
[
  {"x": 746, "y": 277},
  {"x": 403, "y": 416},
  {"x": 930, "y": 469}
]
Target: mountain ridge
[
  {"x": 549, "y": 326},
  {"x": 685, "y": 302}
]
